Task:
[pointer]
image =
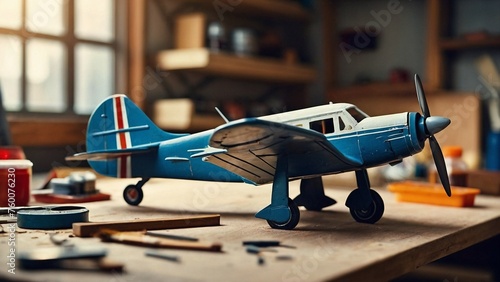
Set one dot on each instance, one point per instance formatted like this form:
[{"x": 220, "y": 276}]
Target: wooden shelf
[
  {"x": 278, "y": 9},
  {"x": 273, "y": 8},
  {"x": 228, "y": 65},
  {"x": 461, "y": 44}
]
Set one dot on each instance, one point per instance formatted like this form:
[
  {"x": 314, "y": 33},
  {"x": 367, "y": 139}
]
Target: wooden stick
[{"x": 89, "y": 229}]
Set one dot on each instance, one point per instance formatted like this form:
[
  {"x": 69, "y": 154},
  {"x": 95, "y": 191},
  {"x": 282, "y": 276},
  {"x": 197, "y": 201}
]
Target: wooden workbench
[{"x": 326, "y": 245}]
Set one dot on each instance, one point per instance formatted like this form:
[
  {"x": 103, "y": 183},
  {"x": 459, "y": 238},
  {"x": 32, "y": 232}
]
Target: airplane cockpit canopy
[{"x": 356, "y": 113}]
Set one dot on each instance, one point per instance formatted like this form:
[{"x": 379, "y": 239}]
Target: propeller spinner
[{"x": 433, "y": 125}]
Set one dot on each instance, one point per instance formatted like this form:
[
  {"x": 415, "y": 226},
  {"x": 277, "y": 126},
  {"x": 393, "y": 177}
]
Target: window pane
[
  {"x": 94, "y": 19},
  {"x": 94, "y": 74},
  {"x": 46, "y": 75},
  {"x": 10, "y": 14},
  {"x": 10, "y": 71},
  {"x": 316, "y": 126},
  {"x": 46, "y": 16}
]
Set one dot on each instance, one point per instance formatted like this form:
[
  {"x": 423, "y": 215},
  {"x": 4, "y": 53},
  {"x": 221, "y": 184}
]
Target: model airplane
[{"x": 304, "y": 144}]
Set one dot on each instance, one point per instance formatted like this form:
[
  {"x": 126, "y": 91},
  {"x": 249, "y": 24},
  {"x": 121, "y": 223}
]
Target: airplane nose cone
[{"x": 435, "y": 124}]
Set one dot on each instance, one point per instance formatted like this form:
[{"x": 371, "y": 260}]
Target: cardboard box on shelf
[{"x": 190, "y": 31}]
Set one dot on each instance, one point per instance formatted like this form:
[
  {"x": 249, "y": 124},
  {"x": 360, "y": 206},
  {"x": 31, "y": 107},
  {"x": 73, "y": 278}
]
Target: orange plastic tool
[{"x": 430, "y": 193}]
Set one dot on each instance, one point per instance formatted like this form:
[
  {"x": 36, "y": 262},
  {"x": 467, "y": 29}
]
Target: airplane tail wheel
[
  {"x": 373, "y": 213},
  {"x": 133, "y": 195},
  {"x": 292, "y": 222}
]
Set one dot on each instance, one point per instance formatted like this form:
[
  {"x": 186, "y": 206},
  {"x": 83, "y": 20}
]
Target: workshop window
[
  {"x": 324, "y": 126},
  {"x": 57, "y": 56}
]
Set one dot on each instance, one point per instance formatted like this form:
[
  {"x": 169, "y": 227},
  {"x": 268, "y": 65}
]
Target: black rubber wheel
[
  {"x": 373, "y": 213},
  {"x": 133, "y": 195},
  {"x": 292, "y": 222}
]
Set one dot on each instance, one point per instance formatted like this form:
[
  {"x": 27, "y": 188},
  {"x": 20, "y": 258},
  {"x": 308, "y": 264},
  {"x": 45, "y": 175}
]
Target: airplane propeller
[{"x": 431, "y": 126}]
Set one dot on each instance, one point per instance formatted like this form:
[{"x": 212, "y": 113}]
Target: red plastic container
[
  {"x": 15, "y": 182},
  {"x": 15, "y": 177}
]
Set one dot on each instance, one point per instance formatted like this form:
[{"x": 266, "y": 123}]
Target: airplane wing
[
  {"x": 113, "y": 154},
  {"x": 250, "y": 148}
]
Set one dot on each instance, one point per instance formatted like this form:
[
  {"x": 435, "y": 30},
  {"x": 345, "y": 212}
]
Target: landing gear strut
[
  {"x": 132, "y": 194},
  {"x": 312, "y": 195},
  {"x": 365, "y": 204},
  {"x": 282, "y": 213}
]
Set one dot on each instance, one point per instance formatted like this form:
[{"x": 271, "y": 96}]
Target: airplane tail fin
[{"x": 117, "y": 129}]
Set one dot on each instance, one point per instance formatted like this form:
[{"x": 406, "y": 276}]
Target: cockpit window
[
  {"x": 341, "y": 124},
  {"x": 356, "y": 114},
  {"x": 324, "y": 126}
]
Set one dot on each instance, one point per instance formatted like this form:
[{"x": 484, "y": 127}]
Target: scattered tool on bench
[
  {"x": 259, "y": 247},
  {"x": 68, "y": 257},
  {"x": 70, "y": 187},
  {"x": 266, "y": 243},
  {"x": 140, "y": 239},
  {"x": 171, "y": 236},
  {"x": 157, "y": 254},
  {"x": 262, "y": 243}
]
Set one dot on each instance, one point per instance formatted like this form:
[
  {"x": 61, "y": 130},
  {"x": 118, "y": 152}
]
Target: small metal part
[
  {"x": 171, "y": 236},
  {"x": 284, "y": 257},
  {"x": 262, "y": 243},
  {"x": 77, "y": 183},
  {"x": 261, "y": 260},
  {"x": 59, "y": 241},
  {"x": 154, "y": 253},
  {"x": 251, "y": 249}
]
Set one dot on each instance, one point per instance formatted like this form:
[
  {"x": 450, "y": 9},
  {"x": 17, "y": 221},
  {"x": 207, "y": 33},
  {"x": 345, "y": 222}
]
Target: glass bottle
[{"x": 455, "y": 165}]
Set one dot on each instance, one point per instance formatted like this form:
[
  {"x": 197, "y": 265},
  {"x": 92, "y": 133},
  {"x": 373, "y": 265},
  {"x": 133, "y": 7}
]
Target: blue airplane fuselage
[{"x": 369, "y": 147}]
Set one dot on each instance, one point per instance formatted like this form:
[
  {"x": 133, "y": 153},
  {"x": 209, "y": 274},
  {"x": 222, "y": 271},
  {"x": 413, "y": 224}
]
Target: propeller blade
[
  {"x": 421, "y": 97},
  {"x": 437, "y": 154}
]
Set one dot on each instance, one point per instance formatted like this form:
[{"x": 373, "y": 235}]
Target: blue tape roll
[{"x": 59, "y": 217}]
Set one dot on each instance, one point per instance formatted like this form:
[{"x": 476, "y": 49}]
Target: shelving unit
[
  {"x": 443, "y": 49},
  {"x": 443, "y": 46},
  {"x": 228, "y": 65},
  {"x": 447, "y": 50},
  {"x": 287, "y": 10},
  {"x": 210, "y": 65},
  {"x": 463, "y": 44}
]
